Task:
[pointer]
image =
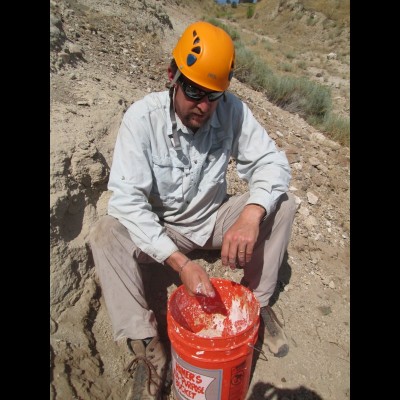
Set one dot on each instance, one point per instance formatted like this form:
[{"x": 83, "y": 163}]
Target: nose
[{"x": 204, "y": 104}]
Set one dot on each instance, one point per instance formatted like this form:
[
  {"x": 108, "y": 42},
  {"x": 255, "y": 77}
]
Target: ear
[{"x": 170, "y": 74}]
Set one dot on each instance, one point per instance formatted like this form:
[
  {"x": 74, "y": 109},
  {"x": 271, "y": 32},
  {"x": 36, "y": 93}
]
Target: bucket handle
[{"x": 264, "y": 357}]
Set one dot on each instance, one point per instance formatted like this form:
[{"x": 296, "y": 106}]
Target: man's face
[{"x": 194, "y": 113}]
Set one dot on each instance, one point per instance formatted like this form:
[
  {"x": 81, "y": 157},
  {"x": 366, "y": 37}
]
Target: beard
[{"x": 195, "y": 121}]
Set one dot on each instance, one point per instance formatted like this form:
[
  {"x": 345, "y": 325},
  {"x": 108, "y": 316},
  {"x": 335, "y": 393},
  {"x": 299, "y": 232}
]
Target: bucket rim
[{"x": 201, "y": 340}]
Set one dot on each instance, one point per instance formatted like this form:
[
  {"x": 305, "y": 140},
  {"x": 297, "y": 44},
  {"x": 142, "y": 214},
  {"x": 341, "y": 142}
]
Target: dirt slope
[{"x": 104, "y": 56}]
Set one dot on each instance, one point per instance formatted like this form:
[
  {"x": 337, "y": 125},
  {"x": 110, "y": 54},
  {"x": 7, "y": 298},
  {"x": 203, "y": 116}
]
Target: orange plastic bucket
[{"x": 212, "y": 341}]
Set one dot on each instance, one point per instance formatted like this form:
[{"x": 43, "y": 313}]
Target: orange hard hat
[{"x": 205, "y": 54}]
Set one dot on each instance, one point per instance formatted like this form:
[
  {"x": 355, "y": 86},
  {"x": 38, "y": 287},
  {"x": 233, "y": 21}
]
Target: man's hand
[
  {"x": 193, "y": 275},
  {"x": 196, "y": 280},
  {"x": 239, "y": 240}
]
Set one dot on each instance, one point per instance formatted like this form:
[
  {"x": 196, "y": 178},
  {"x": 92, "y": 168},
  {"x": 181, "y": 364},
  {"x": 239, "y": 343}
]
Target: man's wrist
[
  {"x": 256, "y": 210},
  {"x": 183, "y": 266},
  {"x": 177, "y": 261}
]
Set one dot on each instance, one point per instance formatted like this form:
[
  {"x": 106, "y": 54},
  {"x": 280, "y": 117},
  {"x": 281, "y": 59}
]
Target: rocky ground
[{"x": 104, "y": 56}]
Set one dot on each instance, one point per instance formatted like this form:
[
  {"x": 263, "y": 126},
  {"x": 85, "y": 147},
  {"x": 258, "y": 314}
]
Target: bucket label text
[{"x": 191, "y": 382}]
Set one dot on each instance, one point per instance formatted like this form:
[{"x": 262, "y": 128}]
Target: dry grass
[{"x": 337, "y": 10}]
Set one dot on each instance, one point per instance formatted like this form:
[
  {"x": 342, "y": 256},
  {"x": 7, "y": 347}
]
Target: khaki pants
[{"x": 117, "y": 260}]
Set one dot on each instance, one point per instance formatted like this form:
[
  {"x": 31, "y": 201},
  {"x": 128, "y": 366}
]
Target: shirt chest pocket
[
  {"x": 218, "y": 156},
  {"x": 168, "y": 179},
  {"x": 221, "y": 141}
]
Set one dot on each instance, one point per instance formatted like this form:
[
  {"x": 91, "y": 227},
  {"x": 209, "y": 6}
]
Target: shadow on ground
[
  {"x": 284, "y": 275},
  {"x": 266, "y": 391}
]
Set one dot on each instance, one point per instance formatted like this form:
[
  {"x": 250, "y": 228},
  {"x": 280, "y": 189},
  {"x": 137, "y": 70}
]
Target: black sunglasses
[{"x": 197, "y": 94}]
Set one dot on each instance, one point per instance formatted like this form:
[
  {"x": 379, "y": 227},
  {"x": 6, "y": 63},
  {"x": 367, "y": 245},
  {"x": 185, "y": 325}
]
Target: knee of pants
[
  {"x": 100, "y": 233},
  {"x": 290, "y": 205},
  {"x": 285, "y": 211}
]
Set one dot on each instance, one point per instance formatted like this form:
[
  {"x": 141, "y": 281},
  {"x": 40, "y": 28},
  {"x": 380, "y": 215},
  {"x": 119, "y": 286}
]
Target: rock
[{"x": 312, "y": 198}]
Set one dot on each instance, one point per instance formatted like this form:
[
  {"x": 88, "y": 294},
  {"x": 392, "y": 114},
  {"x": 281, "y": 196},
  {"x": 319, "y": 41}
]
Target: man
[{"x": 168, "y": 179}]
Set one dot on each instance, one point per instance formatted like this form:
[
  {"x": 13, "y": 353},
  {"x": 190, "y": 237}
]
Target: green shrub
[
  {"x": 232, "y": 32},
  {"x": 289, "y": 55},
  {"x": 250, "y": 11},
  {"x": 337, "y": 128},
  {"x": 267, "y": 44},
  {"x": 251, "y": 69},
  {"x": 286, "y": 67},
  {"x": 312, "y": 20},
  {"x": 302, "y": 65}
]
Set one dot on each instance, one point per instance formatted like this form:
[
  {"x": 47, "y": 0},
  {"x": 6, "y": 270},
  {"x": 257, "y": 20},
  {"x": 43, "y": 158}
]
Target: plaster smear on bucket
[{"x": 237, "y": 316}]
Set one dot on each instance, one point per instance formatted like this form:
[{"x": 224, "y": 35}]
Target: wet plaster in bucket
[
  {"x": 224, "y": 316},
  {"x": 237, "y": 320}
]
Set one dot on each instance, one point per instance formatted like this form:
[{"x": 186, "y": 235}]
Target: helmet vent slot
[
  {"x": 196, "y": 49},
  {"x": 191, "y": 59}
]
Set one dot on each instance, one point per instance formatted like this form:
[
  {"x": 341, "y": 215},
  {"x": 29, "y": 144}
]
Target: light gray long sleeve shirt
[{"x": 152, "y": 181}]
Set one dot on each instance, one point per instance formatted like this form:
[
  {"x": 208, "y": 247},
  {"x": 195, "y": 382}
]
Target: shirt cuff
[
  {"x": 261, "y": 201},
  {"x": 161, "y": 249}
]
